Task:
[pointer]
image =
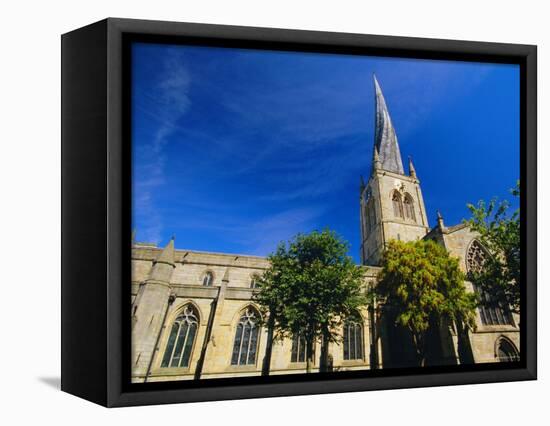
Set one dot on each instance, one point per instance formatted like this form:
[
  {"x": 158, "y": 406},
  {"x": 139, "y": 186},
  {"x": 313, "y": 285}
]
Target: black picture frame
[{"x": 96, "y": 229}]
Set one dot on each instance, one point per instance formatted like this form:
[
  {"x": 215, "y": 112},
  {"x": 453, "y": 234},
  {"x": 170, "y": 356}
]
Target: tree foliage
[
  {"x": 423, "y": 284},
  {"x": 499, "y": 233},
  {"x": 310, "y": 288}
]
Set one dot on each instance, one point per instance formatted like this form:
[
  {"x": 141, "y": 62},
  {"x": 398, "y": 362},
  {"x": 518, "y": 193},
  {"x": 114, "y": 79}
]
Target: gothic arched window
[
  {"x": 489, "y": 311},
  {"x": 370, "y": 216},
  {"x": 245, "y": 345},
  {"x": 506, "y": 351},
  {"x": 208, "y": 279},
  {"x": 182, "y": 336},
  {"x": 254, "y": 281},
  {"x": 366, "y": 203},
  {"x": 353, "y": 339},
  {"x": 409, "y": 208},
  {"x": 367, "y": 220},
  {"x": 299, "y": 351},
  {"x": 397, "y": 205},
  {"x": 372, "y": 213},
  {"x": 476, "y": 256}
]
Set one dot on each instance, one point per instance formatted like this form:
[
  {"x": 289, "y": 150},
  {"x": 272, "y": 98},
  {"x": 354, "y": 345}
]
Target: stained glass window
[
  {"x": 506, "y": 351},
  {"x": 245, "y": 345},
  {"x": 208, "y": 279},
  {"x": 353, "y": 339},
  {"x": 298, "y": 353},
  {"x": 367, "y": 220},
  {"x": 180, "y": 342},
  {"x": 368, "y": 211},
  {"x": 254, "y": 281},
  {"x": 372, "y": 214},
  {"x": 409, "y": 208},
  {"x": 490, "y": 315},
  {"x": 397, "y": 205},
  {"x": 476, "y": 257}
]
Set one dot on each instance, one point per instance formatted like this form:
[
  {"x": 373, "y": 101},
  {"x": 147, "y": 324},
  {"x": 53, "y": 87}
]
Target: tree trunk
[
  {"x": 266, "y": 366},
  {"x": 418, "y": 338},
  {"x": 373, "y": 359},
  {"x": 465, "y": 354},
  {"x": 309, "y": 353},
  {"x": 323, "y": 364}
]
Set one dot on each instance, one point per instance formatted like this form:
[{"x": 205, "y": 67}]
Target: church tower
[{"x": 391, "y": 201}]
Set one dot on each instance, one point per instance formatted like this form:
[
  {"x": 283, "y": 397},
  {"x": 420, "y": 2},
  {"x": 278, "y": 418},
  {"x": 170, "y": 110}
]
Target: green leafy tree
[
  {"x": 499, "y": 233},
  {"x": 310, "y": 288},
  {"x": 424, "y": 285}
]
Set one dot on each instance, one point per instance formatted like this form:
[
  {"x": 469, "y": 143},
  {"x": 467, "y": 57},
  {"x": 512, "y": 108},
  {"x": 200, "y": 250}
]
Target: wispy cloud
[
  {"x": 414, "y": 90},
  {"x": 255, "y": 236},
  {"x": 314, "y": 177},
  {"x": 168, "y": 101},
  {"x": 294, "y": 122},
  {"x": 263, "y": 236}
]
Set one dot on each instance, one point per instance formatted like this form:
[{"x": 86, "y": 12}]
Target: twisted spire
[{"x": 385, "y": 139}]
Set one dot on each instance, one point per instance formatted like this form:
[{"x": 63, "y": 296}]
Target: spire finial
[
  {"x": 376, "y": 159},
  {"x": 385, "y": 139},
  {"x": 412, "y": 171},
  {"x": 440, "y": 222}
]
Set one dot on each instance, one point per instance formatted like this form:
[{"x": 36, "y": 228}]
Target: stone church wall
[{"x": 187, "y": 287}]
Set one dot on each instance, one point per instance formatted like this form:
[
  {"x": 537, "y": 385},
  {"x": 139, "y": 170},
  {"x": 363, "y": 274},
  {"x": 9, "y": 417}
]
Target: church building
[{"x": 194, "y": 317}]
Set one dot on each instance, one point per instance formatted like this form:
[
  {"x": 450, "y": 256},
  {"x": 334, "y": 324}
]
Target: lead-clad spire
[{"x": 385, "y": 139}]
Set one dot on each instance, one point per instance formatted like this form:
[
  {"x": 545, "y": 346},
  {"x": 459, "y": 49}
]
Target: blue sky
[{"x": 235, "y": 150}]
